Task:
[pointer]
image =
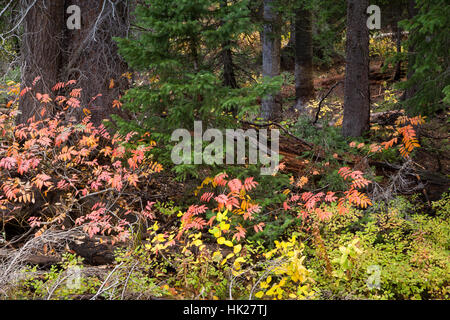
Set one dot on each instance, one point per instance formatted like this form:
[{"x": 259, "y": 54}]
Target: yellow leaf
[
  {"x": 216, "y": 232},
  {"x": 228, "y": 243},
  {"x": 229, "y": 256},
  {"x": 240, "y": 260},
  {"x": 224, "y": 226},
  {"x": 160, "y": 237},
  {"x": 111, "y": 83},
  {"x": 221, "y": 240},
  {"x": 236, "y": 272},
  {"x": 237, "y": 249},
  {"x": 259, "y": 294}
]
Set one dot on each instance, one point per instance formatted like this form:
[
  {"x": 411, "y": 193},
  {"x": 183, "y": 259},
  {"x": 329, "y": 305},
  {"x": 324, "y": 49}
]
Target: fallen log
[
  {"x": 386, "y": 118},
  {"x": 42, "y": 261},
  {"x": 92, "y": 251}
]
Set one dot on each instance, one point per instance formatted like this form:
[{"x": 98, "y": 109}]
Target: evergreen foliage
[{"x": 429, "y": 36}]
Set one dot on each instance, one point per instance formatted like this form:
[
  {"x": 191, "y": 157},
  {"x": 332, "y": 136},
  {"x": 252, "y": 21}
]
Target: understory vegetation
[
  {"x": 98, "y": 210},
  {"x": 331, "y": 234}
]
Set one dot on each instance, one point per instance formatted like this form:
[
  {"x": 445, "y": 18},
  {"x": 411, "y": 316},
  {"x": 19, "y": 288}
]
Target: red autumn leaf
[
  {"x": 235, "y": 185},
  {"x": 240, "y": 234},
  {"x": 259, "y": 227},
  {"x": 249, "y": 183},
  {"x": 219, "y": 180},
  {"x": 25, "y": 90},
  {"x": 8, "y": 163},
  {"x": 76, "y": 93},
  {"x": 58, "y": 86},
  {"x": 36, "y": 80},
  {"x": 42, "y": 179},
  {"x": 73, "y": 102},
  {"x": 206, "y": 197},
  {"x": 117, "y": 104},
  {"x": 116, "y": 182}
]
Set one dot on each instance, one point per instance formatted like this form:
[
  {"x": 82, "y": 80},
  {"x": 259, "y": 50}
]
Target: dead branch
[
  {"x": 101, "y": 290},
  {"x": 269, "y": 124},
  {"x": 13, "y": 262},
  {"x": 323, "y": 99}
]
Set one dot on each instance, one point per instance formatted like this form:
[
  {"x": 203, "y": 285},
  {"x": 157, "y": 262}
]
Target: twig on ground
[{"x": 101, "y": 290}]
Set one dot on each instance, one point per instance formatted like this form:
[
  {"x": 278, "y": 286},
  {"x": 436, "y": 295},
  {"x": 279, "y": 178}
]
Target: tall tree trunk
[
  {"x": 271, "y": 47},
  {"x": 42, "y": 45},
  {"x": 88, "y": 55},
  {"x": 93, "y": 59},
  {"x": 398, "y": 36},
  {"x": 412, "y": 90},
  {"x": 304, "y": 86},
  {"x": 357, "y": 92},
  {"x": 287, "y": 59},
  {"x": 229, "y": 78}
]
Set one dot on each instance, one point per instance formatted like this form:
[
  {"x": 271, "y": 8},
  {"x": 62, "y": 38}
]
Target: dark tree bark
[
  {"x": 88, "y": 55},
  {"x": 41, "y": 50},
  {"x": 287, "y": 59},
  {"x": 412, "y": 90},
  {"x": 92, "y": 54},
  {"x": 271, "y": 48},
  {"x": 398, "y": 37},
  {"x": 357, "y": 93},
  {"x": 229, "y": 78},
  {"x": 304, "y": 86}
]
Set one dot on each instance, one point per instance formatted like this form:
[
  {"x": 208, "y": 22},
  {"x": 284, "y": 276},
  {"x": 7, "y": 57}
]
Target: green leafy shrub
[{"x": 408, "y": 249}]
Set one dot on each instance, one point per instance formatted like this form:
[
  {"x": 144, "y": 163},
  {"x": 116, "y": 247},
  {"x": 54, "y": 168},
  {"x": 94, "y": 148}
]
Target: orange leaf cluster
[{"x": 75, "y": 160}]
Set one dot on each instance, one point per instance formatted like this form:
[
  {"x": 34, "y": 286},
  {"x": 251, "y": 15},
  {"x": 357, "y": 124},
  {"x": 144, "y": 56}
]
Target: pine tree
[
  {"x": 428, "y": 81},
  {"x": 271, "y": 50},
  {"x": 357, "y": 93},
  {"x": 177, "y": 47},
  {"x": 304, "y": 85}
]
